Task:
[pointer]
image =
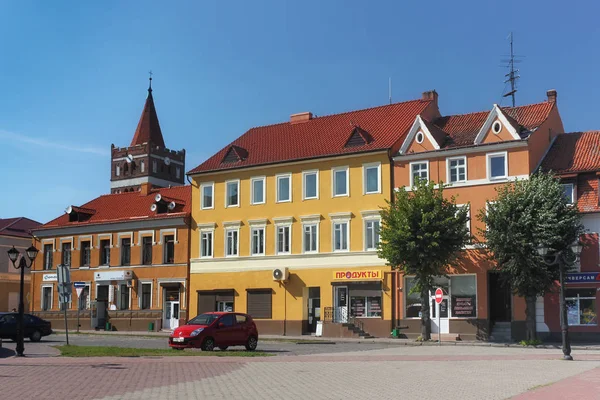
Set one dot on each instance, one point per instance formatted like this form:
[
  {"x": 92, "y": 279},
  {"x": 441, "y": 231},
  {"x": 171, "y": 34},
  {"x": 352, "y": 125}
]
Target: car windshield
[{"x": 203, "y": 319}]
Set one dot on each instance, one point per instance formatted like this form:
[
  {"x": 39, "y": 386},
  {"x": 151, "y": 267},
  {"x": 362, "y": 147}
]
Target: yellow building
[{"x": 286, "y": 220}]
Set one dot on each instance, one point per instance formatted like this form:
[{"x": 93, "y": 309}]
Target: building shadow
[{"x": 5, "y": 353}]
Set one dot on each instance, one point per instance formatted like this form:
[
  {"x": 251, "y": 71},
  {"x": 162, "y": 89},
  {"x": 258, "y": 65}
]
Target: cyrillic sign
[
  {"x": 357, "y": 275},
  {"x": 583, "y": 277}
]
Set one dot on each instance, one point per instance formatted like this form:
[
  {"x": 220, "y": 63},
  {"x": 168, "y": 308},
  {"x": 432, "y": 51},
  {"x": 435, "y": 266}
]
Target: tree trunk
[
  {"x": 425, "y": 315},
  {"x": 530, "y": 332}
]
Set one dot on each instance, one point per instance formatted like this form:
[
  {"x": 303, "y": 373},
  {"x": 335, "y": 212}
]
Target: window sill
[
  {"x": 377, "y": 192},
  {"x": 258, "y": 204},
  {"x": 103, "y": 266},
  {"x": 85, "y": 267},
  {"x": 340, "y": 195},
  {"x": 310, "y": 198},
  {"x": 283, "y": 201}
]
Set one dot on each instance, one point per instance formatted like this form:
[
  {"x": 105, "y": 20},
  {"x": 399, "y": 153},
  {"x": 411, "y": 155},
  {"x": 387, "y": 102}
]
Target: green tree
[
  {"x": 528, "y": 214},
  {"x": 422, "y": 232}
]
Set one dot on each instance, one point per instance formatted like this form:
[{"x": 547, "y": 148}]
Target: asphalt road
[{"x": 279, "y": 347}]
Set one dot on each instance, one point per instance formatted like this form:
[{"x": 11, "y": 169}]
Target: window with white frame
[
  {"x": 207, "y": 195},
  {"x": 372, "y": 234},
  {"x": 418, "y": 171},
  {"x": 581, "y": 306},
  {"x": 232, "y": 242},
  {"x": 497, "y": 166},
  {"x": 232, "y": 195},
  {"x": 48, "y": 254},
  {"x": 206, "y": 245},
  {"x": 341, "y": 233},
  {"x": 340, "y": 181},
  {"x": 284, "y": 233},
  {"x": 257, "y": 241},
  {"x": 461, "y": 206},
  {"x": 372, "y": 178},
  {"x": 311, "y": 238},
  {"x": 310, "y": 181},
  {"x": 457, "y": 169},
  {"x": 284, "y": 188},
  {"x": 569, "y": 192},
  {"x": 258, "y": 190},
  {"x": 46, "y": 298}
]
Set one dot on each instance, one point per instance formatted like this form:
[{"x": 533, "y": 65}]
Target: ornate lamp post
[
  {"x": 13, "y": 254},
  {"x": 563, "y": 259}
]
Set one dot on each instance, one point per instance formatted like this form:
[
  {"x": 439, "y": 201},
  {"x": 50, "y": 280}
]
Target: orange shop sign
[{"x": 357, "y": 275}]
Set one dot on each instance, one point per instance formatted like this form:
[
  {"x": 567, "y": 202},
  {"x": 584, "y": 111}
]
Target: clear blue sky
[{"x": 73, "y": 75}]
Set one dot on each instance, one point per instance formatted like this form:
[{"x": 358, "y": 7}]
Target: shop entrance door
[
  {"x": 341, "y": 304},
  {"x": 500, "y": 298},
  {"x": 314, "y": 308},
  {"x": 171, "y": 308},
  {"x": 442, "y": 309}
]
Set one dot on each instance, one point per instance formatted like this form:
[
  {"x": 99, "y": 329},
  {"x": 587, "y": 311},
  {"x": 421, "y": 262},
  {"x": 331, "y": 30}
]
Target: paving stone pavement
[{"x": 392, "y": 373}]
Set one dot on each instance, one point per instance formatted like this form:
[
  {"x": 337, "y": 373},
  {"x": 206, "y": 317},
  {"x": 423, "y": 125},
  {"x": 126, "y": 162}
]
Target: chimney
[
  {"x": 551, "y": 95},
  {"x": 300, "y": 117},
  {"x": 430, "y": 95},
  {"x": 145, "y": 189}
]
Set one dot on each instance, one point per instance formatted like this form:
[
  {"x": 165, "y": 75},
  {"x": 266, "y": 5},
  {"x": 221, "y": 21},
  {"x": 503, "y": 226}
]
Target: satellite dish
[
  {"x": 158, "y": 197},
  {"x": 167, "y": 161},
  {"x": 172, "y": 206},
  {"x": 153, "y": 207},
  {"x": 69, "y": 210}
]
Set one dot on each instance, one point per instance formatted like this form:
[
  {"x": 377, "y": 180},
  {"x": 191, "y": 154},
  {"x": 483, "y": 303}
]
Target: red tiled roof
[
  {"x": 20, "y": 227},
  {"x": 574, "y": 152},
  {"x": 463, "y": 129},
  {"x": 130, "y": 206},
  {"x": 320, "y": 136},
  {"x": 148, "y": 129}
]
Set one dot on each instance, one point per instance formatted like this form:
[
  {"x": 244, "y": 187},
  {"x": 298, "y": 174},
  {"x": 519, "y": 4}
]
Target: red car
[{"x": 216, "y": 329}]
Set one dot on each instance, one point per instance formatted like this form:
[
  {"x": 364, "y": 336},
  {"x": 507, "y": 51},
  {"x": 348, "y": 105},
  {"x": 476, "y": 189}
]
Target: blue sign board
[
  {"x": 584, "y": 277},
  {"x": 79, "y": 285}
]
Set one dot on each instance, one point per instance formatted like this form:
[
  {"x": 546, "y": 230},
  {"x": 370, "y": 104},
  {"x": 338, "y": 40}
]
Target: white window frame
[
  {"x": 369, "y": 216},
  {"x": 311, "y": 220},
  {"x": 340, "y": 218},
  {"x": 239, "y": 195},
  {"x": 468, "y": 214},
  {"x": 264, "y": 229},
  {"x": 367, "y": 167},
  {"x": 237, "y": 247},
  {"x": 203, "y": 232},
  {"x": 264, "y": 190},
  {"x": 488, "y": 158},
  {"x": 573, "y": 192},
  {"x": 346, "y": 169},
  {"x": 212, "y": 195},
  {"x": 141, "y": 292},
  {"x": 578, "y": 298},
  {"x": 304, "y": 174},
  {"x": 277, "y": 178},
  {"x": 448, "y": 168},
  {"x": 283, "y": 222},
  {"x": 410, "y": 170},
  {"x": 173, "y": 231},
  {"x": 51, "y": 297}
]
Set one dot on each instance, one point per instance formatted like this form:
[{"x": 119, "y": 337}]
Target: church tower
[{"x": 147, "y": 159}]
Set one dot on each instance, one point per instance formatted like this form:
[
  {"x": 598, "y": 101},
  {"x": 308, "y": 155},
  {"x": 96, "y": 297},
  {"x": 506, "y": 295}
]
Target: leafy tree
[
  {"x": 527, "y": 214},
  {"x": 421, "y": 233}
]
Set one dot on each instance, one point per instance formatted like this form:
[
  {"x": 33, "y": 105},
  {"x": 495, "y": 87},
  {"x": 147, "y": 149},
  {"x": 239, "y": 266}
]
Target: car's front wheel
[
  {"x": 35, "y": 336},
  {"x": 208, "y": 344},
  {"x": 251, "y": 343}
]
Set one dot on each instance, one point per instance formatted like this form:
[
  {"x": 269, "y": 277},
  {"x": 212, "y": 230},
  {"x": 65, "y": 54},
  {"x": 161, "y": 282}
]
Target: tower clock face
[{"x": 167, "y": 161}]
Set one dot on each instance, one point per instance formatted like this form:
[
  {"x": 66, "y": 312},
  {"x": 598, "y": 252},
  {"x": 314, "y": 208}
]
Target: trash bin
[
  {"x": 151, "y": 327},
  {"x": 108, "y": 327}
]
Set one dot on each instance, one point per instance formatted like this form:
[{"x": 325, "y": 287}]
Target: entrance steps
[
  {"x": 501, "y": 332},
  {"x": 356, "y": 331}
]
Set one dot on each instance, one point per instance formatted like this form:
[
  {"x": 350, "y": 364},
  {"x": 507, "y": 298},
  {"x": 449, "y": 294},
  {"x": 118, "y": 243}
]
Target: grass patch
[
  {"x": 534, "y": 342},
  {"x": 303, "y": 341},
  {"x": 98, "y": 351}
]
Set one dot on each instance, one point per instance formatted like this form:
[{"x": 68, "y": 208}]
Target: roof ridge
[
  {"x": 17, "y": 219},
  {"x": 488, "y": 111}
]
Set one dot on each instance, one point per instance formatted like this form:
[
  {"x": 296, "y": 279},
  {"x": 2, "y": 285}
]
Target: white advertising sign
[
  {"x": 113, "y": 275},
  {"x": 49, "y": 278}
]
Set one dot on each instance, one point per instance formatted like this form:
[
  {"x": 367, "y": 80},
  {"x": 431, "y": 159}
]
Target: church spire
[{"x": 148, "y": 128}]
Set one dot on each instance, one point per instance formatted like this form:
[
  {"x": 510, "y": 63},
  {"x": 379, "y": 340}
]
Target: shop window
[
  {"x": 85, "y": 254},
  {"x": 365, "y": 306},
  {"x": 123, "y": 297},
  {"x": 105, "y": 252},
  {"x": 231, "y": 245},
  {"x": 310, "y": 238},
  {"x": 66, "y": 254},
  {"x": 46, "y": 298},
  {"x": 48, "y": 252},
  {"x": 463, "y": 295},
  {"x": 125, "y": 251},
  {"x": 283, "y": 239},
  {"x": 146, "y": 302},
  {"x": 83, "y": 302},
  {"x": 372, "y": 234},
  {"x": 581, "y": 307},
  {"x": 258, "y": 241},
  {"x": 147, "y": 250},
  {"x": 206, "y": 248},
  {"x": 260, "y": 303}
]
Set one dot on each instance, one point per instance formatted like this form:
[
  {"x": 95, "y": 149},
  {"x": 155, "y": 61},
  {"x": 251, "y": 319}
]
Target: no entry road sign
[{"x": 439, "y": 295}]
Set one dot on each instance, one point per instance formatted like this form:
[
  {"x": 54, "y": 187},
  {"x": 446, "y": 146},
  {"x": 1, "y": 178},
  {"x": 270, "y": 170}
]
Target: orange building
[
  {"x": 129, "y": 249},
  {"x": 473, "y": 154}
]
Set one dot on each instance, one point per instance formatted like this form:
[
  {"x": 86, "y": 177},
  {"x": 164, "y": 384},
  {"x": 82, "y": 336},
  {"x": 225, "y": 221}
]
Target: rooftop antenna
[
  {"x": 390, "y": 89},
  {"x": 513, "y": 74}
]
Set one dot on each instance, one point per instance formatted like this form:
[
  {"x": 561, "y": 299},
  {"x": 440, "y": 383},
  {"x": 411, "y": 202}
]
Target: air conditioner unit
[{"x": 280, "y": 274}]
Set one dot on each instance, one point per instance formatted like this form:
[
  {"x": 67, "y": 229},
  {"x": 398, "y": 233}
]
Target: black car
[{"x": 35, "y": 328}]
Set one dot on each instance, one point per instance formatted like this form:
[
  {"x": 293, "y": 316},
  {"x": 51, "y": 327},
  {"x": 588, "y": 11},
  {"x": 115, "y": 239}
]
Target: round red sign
[{"x": 439, "y": 295}]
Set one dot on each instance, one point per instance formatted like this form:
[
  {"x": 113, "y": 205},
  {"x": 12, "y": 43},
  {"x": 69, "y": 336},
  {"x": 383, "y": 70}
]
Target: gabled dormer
[
  {"x": 498, "y": 127},
  {"x": 235, "y": 154},
  {"x": 423, "y": 136},
  {"x": 358, "y": 137}
]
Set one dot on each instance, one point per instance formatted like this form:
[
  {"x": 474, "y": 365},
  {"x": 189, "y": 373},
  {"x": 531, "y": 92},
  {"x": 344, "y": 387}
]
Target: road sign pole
[
  {"x": 77, "y": 317},
  {"x": 439, "y": 297},
  {"x": 439, "y": 328},
  {"x": 66, "y": 326}
]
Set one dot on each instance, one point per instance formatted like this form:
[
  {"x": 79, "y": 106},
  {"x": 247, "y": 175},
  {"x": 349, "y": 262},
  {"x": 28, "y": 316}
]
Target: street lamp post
[
  {"x": 561, "y": 258},
  {"x": 13, "y": 254}
]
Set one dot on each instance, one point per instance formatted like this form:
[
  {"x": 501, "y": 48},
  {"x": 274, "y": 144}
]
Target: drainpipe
[
  {"x": 394, "y": 272},
  {"x": 188, "y": 283}
]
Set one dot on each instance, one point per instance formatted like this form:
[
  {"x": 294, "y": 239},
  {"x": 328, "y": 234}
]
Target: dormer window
[
  {"x": 358, "y": 137},
  {"x": 496, "y": 127}
]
